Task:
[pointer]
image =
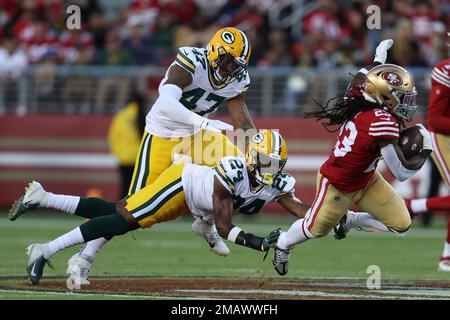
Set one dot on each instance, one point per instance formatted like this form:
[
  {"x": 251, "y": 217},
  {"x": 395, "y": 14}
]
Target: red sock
[{"x": 438, "y": 203}]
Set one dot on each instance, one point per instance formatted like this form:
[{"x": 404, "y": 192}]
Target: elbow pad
[{"x": 395, "y": 165}]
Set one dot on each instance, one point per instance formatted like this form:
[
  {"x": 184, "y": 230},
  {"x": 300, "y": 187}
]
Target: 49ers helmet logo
[{"x": 392, "y": 78}]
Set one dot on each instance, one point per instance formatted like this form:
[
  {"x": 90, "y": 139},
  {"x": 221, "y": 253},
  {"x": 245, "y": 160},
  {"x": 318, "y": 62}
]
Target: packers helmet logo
[
  {"x": 228, "y": 37},
  {"x": 258, "y": 138},
  {"x": 392, "y": 78}
]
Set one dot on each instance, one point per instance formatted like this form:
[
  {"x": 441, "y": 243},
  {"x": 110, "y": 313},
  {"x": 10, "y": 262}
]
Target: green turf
[{"x": 171, "y": 249}]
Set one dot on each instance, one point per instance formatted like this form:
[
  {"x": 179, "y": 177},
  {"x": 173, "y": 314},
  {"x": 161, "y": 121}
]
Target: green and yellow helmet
[
  {"x": 266, "y": 155},
  {"x": 228, "y": 51}
]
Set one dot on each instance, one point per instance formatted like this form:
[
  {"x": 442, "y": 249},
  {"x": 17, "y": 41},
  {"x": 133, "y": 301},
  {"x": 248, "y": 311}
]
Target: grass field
[{"x": 170, "y": 254}]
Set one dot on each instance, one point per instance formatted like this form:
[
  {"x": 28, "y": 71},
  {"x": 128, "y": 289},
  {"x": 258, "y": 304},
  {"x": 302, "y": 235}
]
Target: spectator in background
[
  {"x": 194, "y": 34},
  {"x": 163, "y": 33},
  {"x": 13, "y": 68},
  {"x": 278, "y": 54},
  {"x": 112, "y": 54},
  {"x": 124, "y": 137},
  {"x": 406, "y": 50},
  {"x": 138, "y": 43}
]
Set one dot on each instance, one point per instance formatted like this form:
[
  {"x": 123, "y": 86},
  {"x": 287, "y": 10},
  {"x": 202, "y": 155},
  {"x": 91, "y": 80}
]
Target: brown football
[{"x": 410, "y": 141}]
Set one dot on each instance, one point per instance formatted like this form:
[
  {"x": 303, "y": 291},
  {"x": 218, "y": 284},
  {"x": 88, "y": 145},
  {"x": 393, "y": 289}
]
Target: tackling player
[
  {"x": 177, "y": 127},
  {"x": 211, "y": 194},
  {"x": 369, "y": 115}
]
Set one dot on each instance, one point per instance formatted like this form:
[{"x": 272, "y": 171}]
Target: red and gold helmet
[{"x": 392, "y": 87}]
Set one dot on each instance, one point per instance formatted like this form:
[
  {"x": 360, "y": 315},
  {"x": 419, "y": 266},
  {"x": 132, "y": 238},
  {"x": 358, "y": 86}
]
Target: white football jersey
[
  {"x": 200, "y": 96},
  {"x": 198, "y": 184}
]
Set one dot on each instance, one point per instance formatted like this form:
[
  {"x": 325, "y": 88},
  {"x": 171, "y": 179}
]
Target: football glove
[
  {"x": 426, "y": 142},
  {"x": 271, "y": 239},
  {"x": 215, "y": 125},
  {"x": 381, "y": 51}
]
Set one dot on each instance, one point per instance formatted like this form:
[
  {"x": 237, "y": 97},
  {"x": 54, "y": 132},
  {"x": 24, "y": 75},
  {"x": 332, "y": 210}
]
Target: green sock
[
  {"x": 94, "y": 207},
  {"x": 106, "y": 227}
]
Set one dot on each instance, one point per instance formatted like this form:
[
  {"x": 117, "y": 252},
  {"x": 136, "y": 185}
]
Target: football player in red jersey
[
  {"x": 439, "y": 125},
  {"x": 370, "y": 114}
]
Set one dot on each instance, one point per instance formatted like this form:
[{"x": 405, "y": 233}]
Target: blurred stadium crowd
[
  {"x": 329, "y": 33},
  {"x": 141, "y": 32}
]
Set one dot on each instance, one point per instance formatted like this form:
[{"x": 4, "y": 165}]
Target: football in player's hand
[{"x": 410, "y": 141}]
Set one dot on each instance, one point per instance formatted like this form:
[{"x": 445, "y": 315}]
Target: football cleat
[
  {"x": 341, "y": 229},
  {"x": 209, "y": 232},
  {"x": 36, "y": 262},
  {"x": 78, "y": 269},
  {"x": 30, "y": 200},
  {"x": 444, "y": 264},
  {"x": 280, "y": 260}
]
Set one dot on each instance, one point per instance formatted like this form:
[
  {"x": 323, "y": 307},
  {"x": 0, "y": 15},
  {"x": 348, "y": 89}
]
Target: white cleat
[
  {"x": 36, "y": 262},
  {"x": 30, "y": 200},
  {"x": 209, "y": 232},
  {"x": 78, "y": 268},
  {"x": 444, "y": 265}
]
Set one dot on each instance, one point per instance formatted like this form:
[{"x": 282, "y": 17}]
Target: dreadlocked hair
[{"x": 340, "y": 109}]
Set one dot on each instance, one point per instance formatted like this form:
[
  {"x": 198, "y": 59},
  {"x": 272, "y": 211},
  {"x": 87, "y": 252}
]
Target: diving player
[{"x": 211, "y": 194}]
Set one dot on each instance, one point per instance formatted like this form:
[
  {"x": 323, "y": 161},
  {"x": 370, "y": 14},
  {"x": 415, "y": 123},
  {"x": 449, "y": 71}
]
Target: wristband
[{"x": 233, "y": 234}]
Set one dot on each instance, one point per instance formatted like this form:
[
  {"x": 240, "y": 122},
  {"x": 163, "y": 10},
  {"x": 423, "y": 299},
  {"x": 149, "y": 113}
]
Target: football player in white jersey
[
  {"x": 212, "y": 194},
  {"x": 177, "y": 126}
]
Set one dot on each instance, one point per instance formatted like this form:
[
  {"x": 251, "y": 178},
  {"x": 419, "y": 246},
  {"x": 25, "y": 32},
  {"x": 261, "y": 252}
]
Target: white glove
[
  {"x": 216, "y": 125},
  {"x": 426, "y": 137},
  {"x": 381, "y": 51}
]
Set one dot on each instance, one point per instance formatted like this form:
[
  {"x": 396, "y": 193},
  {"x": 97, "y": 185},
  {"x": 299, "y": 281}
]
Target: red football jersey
[
  {"x": 352, "y": 161},
  {"x": 439, "y": 99}
]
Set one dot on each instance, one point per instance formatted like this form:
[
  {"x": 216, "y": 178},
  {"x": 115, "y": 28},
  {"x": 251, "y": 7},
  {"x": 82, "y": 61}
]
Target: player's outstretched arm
[
  {"x": 396, "y": 161},
  {"x": 240, "y": 114},
  {"x": 223, "y": 213},
  {"x": 293, "y": 204}
]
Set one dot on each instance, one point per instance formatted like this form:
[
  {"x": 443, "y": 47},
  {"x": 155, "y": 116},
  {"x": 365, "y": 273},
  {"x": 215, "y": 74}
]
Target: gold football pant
[
  {"x": 156, "y": 154},
  {"x": 160, "y": 201},
  {"x": 441, "y": 154},
  {"x": 378, "y": 198}
]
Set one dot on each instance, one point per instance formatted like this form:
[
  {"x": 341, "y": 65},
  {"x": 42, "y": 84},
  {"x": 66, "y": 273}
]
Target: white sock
[
  {"x": 295, "y": 234},
  {"x": 61, "y": 202},
  {"x": 364, "y": 220},
  {"x": 89, "y": 252},
  {"x": 67, "y": 240},
  {"x": 446, "y": 253},
  {"x": 418, "y": 205}
]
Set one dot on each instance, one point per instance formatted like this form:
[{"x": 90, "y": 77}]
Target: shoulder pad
[{"x": 230, "y": 171}]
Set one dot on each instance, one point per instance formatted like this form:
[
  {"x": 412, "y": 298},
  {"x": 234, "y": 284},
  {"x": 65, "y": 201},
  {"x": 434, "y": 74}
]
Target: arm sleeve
[
  {"x": 395, "y": 165},
  {"x": 168, "y": 104}
]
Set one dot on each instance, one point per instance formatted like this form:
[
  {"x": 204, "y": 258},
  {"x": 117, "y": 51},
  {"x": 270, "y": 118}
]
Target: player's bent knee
[
  {"x": 122, "y": 210},
  {"x": 402, "y": 225},
  {"x": 319, "y": 231}
]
